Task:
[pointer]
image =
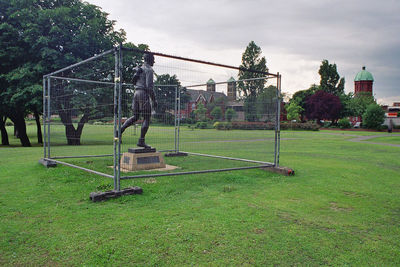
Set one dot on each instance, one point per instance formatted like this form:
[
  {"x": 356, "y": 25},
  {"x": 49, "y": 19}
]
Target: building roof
[
  {"x": 210, "y": 81},
  {"x": 231, "y": 79},
  {"x": 363, "y": 75},
  {"x": 195, "y": 94}
]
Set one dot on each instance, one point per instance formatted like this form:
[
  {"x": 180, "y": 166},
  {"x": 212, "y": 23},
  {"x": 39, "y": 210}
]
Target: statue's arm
[{"x": 150, "y": 86}]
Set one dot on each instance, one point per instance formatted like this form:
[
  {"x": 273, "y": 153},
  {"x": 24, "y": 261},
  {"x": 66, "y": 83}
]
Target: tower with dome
[{"x": 363, "y": 82}]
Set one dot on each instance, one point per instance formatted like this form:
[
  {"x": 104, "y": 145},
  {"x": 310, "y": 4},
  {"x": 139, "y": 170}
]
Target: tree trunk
[
  {"x": 73, "y": 135},
  {"x": 16, "y": 131},
  {"x": 73, "y": 139},
  {"x": 4, "y": 134},
  {"x": 18, "y": 119},
  {"x": 39, "y": 129}
]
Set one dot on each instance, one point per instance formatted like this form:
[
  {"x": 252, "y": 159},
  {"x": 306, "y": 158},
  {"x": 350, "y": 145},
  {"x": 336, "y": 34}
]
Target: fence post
[
  {"x": 44, "y": 118},
  {"x": 176, "y": 118},
  {"x": 48, "y": 115},
  {"x": 115, "y": 133},
  {"x": 179, "y": 116},
  {"x": 278, "y": 120},
  {"x": 119, "y": 115}
]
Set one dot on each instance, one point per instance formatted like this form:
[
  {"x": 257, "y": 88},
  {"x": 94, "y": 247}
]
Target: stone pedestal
[{"x": 142, "y": 159}]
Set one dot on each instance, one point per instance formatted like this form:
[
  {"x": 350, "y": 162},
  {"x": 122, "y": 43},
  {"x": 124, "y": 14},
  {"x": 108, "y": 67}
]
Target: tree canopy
[
  {"x": 252, "y": 60},
  {"x": 293, "y": 111},
  {"x": 300, "y": 98},
  {"x": 359, "y": 103},
  {"x": 323, "y": 105},
  {"x": 330, "y": 79},
  {"x": 38, "y": 37},
  {"x": 374, "y": 116}
]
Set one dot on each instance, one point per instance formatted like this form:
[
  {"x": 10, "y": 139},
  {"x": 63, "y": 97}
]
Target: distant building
[
  {"x": 363, "y": 82},
  {"x": 231, "y": 90},
  {"x": 392, "y": 114},
  {"x": 210, "y": 85},
  {"x": 197, "y": 97},
  {"x": 231, "y": 101}
]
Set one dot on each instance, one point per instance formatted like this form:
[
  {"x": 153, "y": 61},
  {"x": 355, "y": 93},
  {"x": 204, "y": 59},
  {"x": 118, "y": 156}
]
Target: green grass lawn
[
  {"x": 341, "y": 208},
  {"x": 387, "y": 139}
]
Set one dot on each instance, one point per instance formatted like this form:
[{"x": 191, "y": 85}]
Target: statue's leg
[
  {"x": 145, "y": 124},
  {"x": 134, "y": 118}
]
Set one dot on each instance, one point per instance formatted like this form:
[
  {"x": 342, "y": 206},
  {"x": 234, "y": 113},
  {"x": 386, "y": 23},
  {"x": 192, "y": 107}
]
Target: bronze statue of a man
[{"x": 141, "y": 106}]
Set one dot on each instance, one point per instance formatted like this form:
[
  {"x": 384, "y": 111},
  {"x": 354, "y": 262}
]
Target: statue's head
[{"x": 149, "y": 58}]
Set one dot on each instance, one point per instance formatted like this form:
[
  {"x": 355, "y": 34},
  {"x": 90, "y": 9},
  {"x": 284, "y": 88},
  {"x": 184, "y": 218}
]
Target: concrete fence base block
[
  {"x": 281, "y": 170},
  {"x": 100, "y": 196},
  {"x": 47, "y": 163},
  {"x": 177, "y": 154}
]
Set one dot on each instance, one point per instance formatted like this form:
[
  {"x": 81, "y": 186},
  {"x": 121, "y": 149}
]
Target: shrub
[
  {"x": 216, "y": 113},
  {"x": 306, "y": 126},
  {"x": 373, "y": 117},
  {"x": 230, "y": 114},
  {"x": 327, "y": 124},
  {"x": 201, "y": 125},
  {"x": 166, "y": 118},
  {"x": 9, "y": 123},
  {"x": 222, "y": 125},
  {"x": 187, "y": 121},
  {"x": 245, "y": 125},
  {"x": 344, "y": 123},
  {"x": 107, "y": 119}
]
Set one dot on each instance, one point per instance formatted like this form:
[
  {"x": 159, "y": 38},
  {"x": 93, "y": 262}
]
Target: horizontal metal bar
[
  {"x": 96, "y": 156},
  {"x": 80, "y": 80},
  {"x": 230, "y": 158},
  {"x": 100, "y": 82},
  {"x": 244, "y": 80},
  {"x": 193, "y": 172},
  {"x": 197, "y": 61},
  {"x": 80, "y": 62},
  {"x": 81, "y": 168},
  {"x": 84, "y": 156}
]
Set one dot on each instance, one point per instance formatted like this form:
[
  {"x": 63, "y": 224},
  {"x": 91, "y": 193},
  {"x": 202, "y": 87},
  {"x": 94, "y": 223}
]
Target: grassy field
[
  {"x": 341, "y": 208},
  {"x": 387, "y": 139}
]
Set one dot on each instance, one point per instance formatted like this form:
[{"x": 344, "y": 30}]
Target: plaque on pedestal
[
  {"x": 141, "y": 150},
  {"x": 142, "y": 159}
]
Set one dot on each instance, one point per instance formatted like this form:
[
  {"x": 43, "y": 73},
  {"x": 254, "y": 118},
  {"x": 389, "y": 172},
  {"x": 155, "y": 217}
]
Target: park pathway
[{"x": 362, "y": 139}]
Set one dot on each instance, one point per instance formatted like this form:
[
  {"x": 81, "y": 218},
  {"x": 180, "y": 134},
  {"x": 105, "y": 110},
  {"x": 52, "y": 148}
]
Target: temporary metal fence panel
[{"x": 200, "y": 112}]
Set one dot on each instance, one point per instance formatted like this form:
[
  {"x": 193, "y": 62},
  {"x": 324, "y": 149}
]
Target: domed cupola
[{"x": 363, "y": 82}]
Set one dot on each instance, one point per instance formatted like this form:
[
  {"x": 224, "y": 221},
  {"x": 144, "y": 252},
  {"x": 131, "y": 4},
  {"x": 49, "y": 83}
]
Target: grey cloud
[{"x": 349, "y": 33}]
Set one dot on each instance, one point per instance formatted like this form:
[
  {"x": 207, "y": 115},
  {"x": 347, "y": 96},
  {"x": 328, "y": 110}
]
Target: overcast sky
[{"x": 295, "y": 36}]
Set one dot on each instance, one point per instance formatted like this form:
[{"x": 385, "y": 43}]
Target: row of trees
[
  {"x": 328, "y": 101},
  {"x": 214, "y": 111}
]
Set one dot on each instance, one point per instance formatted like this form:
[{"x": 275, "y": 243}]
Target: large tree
[
  {"x": 293, "y": 111},
  {"x": 37, "y": 37},
  {"x": 323, "y": 105},
  {"x": 359, "y": 103},
  {"x": 266, "y": 103},
  {"x": 374, "y": 116},
  {"x": 300, "y": 98},
  {"x": 330, "y": 79},
  {"x": 252, "y": 60}
]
